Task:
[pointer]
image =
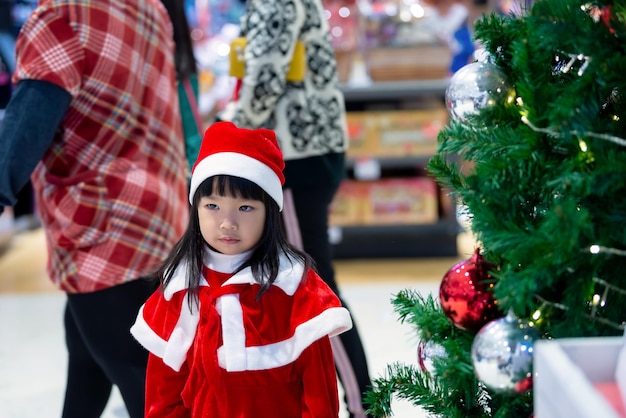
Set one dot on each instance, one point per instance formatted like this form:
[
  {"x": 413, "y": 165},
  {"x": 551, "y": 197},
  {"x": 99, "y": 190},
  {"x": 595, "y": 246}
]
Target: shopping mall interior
[
  {"x": 392, "y": 226},
  {"x": 33, "y": 355}
]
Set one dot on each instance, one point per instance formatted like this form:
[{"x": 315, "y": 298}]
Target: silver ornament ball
[
  {"x": 476, "y": 87},
  {"x": 502, "y": 355},
  {"x": 427, "y": 351}
]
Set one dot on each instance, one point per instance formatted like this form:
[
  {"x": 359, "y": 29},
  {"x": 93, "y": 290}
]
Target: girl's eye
[
  {"x": 212, "y": 206},
  {"x": 246, "y": 208}
]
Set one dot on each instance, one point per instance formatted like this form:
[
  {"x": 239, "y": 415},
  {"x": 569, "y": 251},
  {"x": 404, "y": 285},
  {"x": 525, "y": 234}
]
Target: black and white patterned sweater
[{"x": 308, "y": 116}]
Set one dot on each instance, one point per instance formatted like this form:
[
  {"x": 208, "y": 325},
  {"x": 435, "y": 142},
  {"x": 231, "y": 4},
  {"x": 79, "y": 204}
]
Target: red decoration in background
[
  {"x": 606, "y": 18},
  {"x": 465, "y": 296},
  {"x": 524, "y": 385}
]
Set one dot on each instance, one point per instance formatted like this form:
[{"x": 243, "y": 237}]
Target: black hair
[
  {"x": 264, "y": 260},
  {"x": 184, "y": 57}
]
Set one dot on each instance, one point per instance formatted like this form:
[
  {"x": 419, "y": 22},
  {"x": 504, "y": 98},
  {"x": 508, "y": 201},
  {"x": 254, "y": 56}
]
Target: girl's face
[{"x": 231, "y": 225}]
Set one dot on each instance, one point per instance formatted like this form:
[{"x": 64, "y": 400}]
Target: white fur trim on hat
[{"x": 238, "y": 165}]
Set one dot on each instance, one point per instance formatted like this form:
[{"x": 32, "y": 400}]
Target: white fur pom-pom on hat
[{"x": 252, "y": 154}]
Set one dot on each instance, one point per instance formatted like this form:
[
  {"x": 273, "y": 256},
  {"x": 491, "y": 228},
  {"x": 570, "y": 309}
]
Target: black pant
[
  {"x": 102, "y": 352},
  {"x": 25, "y": 204},
  {"x": 312, "y": 210}
]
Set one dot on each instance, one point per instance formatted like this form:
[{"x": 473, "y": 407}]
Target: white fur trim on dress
[
  {"x": 234, "y": 356},
  {"x": 238, "y": 165},
  {"x": 173, "y": 351}
]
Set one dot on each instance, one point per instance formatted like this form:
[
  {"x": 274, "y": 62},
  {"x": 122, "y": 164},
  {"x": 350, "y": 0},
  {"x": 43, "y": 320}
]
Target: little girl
[{"x": 241, "y": 325}]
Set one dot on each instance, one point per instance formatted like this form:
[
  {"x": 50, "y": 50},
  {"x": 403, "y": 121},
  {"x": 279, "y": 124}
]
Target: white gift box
[
  {"x": 565, "y": 371},
  {"x": 620, "y": 373}
]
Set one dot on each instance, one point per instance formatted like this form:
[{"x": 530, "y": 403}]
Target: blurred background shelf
[
  {"x": 396, "y": 241},
  {"x": 389, "y": 206},
  {"x": 394, "y": 90}
]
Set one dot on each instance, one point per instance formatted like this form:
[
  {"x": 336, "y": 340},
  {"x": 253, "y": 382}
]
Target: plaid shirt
[{"x": 111, "y": 189}]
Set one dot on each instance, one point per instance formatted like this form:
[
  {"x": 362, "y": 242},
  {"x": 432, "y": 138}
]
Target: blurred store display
[{"x": 394, "y": 68}]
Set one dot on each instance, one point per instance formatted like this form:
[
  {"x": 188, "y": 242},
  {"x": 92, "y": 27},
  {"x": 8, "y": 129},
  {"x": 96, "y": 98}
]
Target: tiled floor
[{"x": 32, "y": 351}]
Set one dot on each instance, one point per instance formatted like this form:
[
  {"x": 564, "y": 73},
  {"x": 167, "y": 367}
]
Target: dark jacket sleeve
[{"x": 31, "y": 118}]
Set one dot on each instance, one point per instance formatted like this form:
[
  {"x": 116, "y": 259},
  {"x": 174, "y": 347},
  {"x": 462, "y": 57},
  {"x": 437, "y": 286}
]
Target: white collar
[
  {"x": 288, "y": 278},
  {"x": 224, "y": 263}
]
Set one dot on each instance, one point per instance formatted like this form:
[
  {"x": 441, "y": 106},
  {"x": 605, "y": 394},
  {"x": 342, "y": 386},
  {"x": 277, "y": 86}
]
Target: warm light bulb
[
  {"x": 595, "y": 300},
  {"x": 536, "y": 315}
]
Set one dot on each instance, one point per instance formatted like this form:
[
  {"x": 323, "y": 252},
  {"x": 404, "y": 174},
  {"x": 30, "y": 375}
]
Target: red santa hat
[{"x": 252, "y": 154}]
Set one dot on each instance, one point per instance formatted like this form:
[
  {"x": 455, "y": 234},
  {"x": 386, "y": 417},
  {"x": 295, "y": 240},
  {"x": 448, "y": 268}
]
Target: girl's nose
[{"x": 229, "y": 223}]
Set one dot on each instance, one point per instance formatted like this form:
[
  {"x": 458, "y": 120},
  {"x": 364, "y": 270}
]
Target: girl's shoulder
[
  {"x": 314, "y": 284},
  {"x": 290, "y": 274},
  {"x": 178, "y": 282}
]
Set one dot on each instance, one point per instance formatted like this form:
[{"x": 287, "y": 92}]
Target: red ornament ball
[{"x": 465, "y": 296}]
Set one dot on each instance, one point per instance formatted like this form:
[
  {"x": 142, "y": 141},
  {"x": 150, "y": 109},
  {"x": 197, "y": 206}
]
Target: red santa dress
[{"x": 235, "y": 356}]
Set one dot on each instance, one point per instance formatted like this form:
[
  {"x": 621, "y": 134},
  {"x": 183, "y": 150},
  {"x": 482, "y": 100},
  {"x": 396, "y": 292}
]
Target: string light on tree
[
  {"x": 606, "y": 137},
  {"x": 566, "y": 62}
]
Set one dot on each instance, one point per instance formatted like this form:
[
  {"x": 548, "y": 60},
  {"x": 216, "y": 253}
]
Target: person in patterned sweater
[
  {"x": 309, "y": 119},
  {"x": 241, "y": 325},
  {"x": 94, "y": 117}
]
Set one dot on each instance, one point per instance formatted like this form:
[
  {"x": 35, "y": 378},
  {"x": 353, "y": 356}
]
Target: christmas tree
[{"x": 536, "y": 151}]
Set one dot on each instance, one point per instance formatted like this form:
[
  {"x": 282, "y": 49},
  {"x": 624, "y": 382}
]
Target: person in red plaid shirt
[{"x": 94, "y": 117}]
